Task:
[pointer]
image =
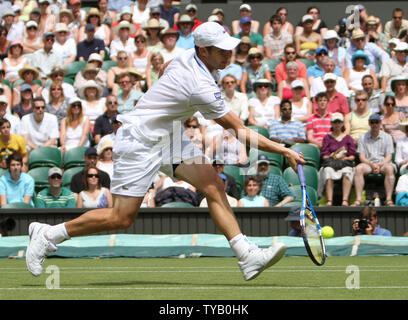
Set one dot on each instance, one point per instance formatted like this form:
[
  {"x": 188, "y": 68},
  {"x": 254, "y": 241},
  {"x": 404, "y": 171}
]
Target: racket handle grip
[{"x": 301, "y": 173}]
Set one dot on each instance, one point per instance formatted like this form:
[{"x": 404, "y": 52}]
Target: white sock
[
  {"x": 240, "y": 245},
  {"x": 57, "y": 234}
]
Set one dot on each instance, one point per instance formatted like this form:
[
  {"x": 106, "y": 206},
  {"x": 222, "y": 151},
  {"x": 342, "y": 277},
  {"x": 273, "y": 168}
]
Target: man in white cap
[
  {"x": 394, "y": 67},
  {"x": 150, "y": 140},
  {"x": 192, "y": 10}
]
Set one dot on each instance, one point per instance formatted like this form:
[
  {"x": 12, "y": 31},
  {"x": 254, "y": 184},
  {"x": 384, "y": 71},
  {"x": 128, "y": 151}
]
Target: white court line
[
  {"x": 208, "y": 288},
  {"x": 233, "y": 270},
  {"x": 287, "y": 268}
]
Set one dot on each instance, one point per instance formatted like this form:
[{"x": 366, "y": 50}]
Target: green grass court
[{"x": 294, "y": 278}]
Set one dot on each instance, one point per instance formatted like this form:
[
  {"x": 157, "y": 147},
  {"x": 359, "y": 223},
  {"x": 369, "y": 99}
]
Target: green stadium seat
[
  {"x": 235, "y": 172},
  {"x": 177, "y": 205},
  {"x": 17, "y": 205},
  {"x": 311, "y": 153},
  {"x": 45, "y": 156},
  {"x": 275, "y": 170},
  {"x": 69, "y": 80},
  {"x": 307, "y": 62},
  {"x": 68, "y": 174},
  {"x": 108, "y": 64},
  {"x": 311, "y": 176},
  {"x": 74, "y": 157},
  {"x": 73, "y": 68},
  {"x": 272, "y": 63},
  {"x": 40, "y": 176},
  {"x": 7, "y": 83},
  {"x": 261, "y": 130},
  {"x": 275, "y": 159},
  {"x": 297, "y": 191}
]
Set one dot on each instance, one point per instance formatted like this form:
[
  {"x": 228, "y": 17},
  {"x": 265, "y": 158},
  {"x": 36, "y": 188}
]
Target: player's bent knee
[
  {"x": 122, "y": 218},
  {"x": 213, "y": 189}
]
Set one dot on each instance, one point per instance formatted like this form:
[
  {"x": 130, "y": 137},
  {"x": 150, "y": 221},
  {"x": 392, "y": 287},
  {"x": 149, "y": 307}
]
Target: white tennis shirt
[{"x": 186, "y": 86}]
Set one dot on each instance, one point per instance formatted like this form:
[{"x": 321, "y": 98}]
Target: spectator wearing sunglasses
[
  {"x": 375, "y": 149},
  {"x": 94, "y": 194},
  {"x": 55, "y": 196},
  {"x": 393, "y": 28},
  {"x": 104, "y": 123},
  {"x": 392, "y": 118},
  {"x": 285, "y": 129},
  {"x": 358, "y": 118},
  {"x": 394, "y": 67},
  {"x": 374, "y": 53},
  {"x": 39, "y": 128},
  {"x": 289, "y": 54},
  {"x": 46, "y": 58},
  {"x": 79, "y": 179}
]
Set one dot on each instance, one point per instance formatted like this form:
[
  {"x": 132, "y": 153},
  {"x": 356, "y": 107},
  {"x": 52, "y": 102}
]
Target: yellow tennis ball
[{"x": 327, "y": 232}]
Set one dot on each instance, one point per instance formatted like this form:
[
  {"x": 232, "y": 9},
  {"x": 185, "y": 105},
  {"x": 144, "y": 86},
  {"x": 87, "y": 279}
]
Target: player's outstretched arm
[{"x": 250, "y": 137}]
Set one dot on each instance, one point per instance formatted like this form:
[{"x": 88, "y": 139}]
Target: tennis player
[{"x": 150, "y": 139}]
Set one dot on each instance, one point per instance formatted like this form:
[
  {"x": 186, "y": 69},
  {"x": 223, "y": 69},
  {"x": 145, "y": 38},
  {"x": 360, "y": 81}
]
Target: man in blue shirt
[
  {"x": 371, "y": 227},
  {"x": 317, "y": 70},
  {"x": 16, "y": 186},
  {"x": 373, "y": 51}
]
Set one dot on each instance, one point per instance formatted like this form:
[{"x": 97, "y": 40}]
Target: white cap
[
  {"x": 401, "y": 46},
  {"x": 4, "y": 100},
  {"x": 329, "y": 76},
  {"x": 297, "y": 84},
  {"x": 394, "y": 41},
  {"x": 95, "y": 57},
  {"x": 61, "y": 27},
  {"x": 213, "y": 34},
  {"x": 31, "y": 23},
  {"x": 331, "y": 34},
  {"x": 337, "y": 116},
  {"x": 213, "y": 18},
  {"x": 245, "y": 6},
  {"x": 307, "y": 17},
  {"x": 191, "y": 6}
]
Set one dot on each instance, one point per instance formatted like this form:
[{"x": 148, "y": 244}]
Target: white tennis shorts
[{"x": 137, "y": 161}]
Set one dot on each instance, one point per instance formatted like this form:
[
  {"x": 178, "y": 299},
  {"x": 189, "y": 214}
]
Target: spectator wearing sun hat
[
  {"x": 191, "y": 10},
  {"x": 124, "y": 41},
  {"x": 15, "y": 29},
  {"x": 394, "y": 67},
  {"x": 185, "y": 27},
  {"x": 66, "y": 46},
  {"x": 170, "y": 50},
  {"x": 354, "y": 76},
  {"x": 373, "y": 51}
]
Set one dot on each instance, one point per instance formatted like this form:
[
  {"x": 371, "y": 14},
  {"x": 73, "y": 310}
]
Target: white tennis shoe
[
  {"x": 38, "y": 247},
  {"x": 259, "y": 259}
]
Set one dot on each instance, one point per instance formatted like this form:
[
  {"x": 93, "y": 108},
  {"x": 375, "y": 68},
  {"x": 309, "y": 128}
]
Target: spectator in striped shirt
[
  {"x": 375, "y": 149},
  {"x": 55, "y": 196},
  {"x": 285, "y": 130},
  {"x": 276, "y": 40},
  {"x": 319, "y": 123}
]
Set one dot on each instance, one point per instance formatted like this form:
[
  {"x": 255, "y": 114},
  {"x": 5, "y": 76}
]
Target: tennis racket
[{"x": 311, "y": 230}]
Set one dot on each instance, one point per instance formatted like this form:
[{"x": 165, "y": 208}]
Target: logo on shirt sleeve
[{"x": 217, "y": 95}]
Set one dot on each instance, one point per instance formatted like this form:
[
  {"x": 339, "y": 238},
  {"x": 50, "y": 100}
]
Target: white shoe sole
[{"x": 35, "y": 272}]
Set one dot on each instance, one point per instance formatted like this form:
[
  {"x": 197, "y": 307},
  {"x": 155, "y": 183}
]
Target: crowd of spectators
[{"x": 68, "y": 71}]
